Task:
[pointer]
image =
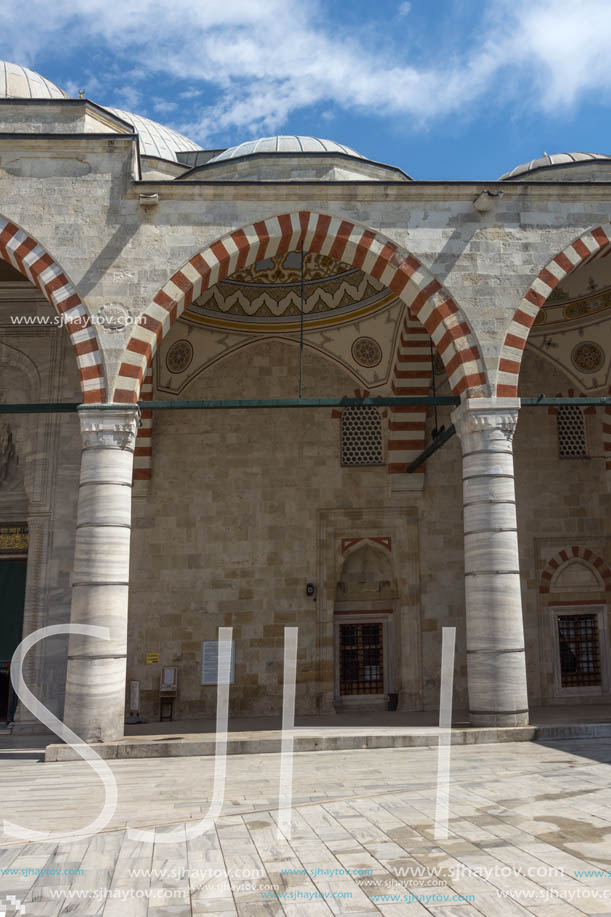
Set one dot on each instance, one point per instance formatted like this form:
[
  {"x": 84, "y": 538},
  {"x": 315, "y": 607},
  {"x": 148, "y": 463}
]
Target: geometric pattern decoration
[
  {"x": 587, "y": 356},
  {"x": 366, "y": 352},
  {"x": 567, "y": 554},
  {"x": 31, "y": 260},
  {"x": 361, "y": 436},
  {"x": 179, "y": 356},
  {"x": 581, "y": 250},
  {"x": 338, "y": 239},
  {"x": 269, "y": 295},
  {"x": 571, "y": 432}
]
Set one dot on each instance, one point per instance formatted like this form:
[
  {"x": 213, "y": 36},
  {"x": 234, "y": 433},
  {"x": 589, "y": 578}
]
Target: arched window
[{"x": 361, "y": 433}]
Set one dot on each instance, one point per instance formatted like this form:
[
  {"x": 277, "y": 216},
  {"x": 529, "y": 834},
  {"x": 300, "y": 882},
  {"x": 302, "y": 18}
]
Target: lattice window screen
[
  {"x": 210, "y": 663},
  {"x": 571, "y": 432},
  {"x": 579, "y": 646},
  {"x": 362, "y": 436}
]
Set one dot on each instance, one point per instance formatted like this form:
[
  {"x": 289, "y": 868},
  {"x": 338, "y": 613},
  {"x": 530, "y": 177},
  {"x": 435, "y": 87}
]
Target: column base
[{"x": 499, "y": 719}]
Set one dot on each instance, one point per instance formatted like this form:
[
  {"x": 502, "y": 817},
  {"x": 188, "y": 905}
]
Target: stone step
[{"x": 306, "y": 740}]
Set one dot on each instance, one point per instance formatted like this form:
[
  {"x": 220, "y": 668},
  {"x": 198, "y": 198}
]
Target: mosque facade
[{"x": 320, "y": 287}]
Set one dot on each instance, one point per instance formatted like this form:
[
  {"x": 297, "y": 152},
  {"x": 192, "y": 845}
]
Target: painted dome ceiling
[{"x": 268, "y": 295}]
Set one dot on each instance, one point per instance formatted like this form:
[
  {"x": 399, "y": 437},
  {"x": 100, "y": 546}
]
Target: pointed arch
[
  {"x": 590, "y": 243},
  {"x": 340, "y": 239},
  {"x": 29, "y": 257},
  {"x": 566, "y": 556}
]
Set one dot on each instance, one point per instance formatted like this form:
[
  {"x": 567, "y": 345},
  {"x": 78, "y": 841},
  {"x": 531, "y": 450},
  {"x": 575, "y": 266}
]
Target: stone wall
[
  {"x": 229, "y": 535},
  {"x": 229, "y": 532},
  {"x": 37, "y": 364}
]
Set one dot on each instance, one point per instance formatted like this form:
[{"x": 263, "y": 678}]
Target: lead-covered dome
[
  {"x": 557, "y": 162},
  {"x": 155, "y": 139},
  {"x": 17, "y": 82},
  {"x": 292, "y": 158},
  {"x": 285, "y": 144}
]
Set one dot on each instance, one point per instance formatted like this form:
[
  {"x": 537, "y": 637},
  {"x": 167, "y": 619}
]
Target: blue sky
[{"x": 445, "y": 89}]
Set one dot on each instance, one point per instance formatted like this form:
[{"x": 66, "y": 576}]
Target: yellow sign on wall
[{"x": 152, "y": 658}]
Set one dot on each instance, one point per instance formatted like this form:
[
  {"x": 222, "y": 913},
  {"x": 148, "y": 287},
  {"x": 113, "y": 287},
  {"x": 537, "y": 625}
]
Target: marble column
[
  {"x": 95, "y": 683},
  {"x": 495, "y": 632}
]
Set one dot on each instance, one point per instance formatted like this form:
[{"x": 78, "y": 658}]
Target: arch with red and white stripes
[
  {"x": 143, "y": 450},
  {"x": 411, "y": 375},
  {"x": 340, "y": 239},
  {"x": 29, "y": 257},
  {"x": 588, "y": 246},
  {"x": 564, "y": 557}
]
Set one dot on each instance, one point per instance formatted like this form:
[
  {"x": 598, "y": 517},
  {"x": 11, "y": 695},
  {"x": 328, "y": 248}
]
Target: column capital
[
  {"x": 109, "y": 428},
  {"x": 487, "y": 415}
]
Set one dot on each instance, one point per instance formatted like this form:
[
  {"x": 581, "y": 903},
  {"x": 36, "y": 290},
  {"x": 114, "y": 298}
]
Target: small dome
[
  {"x": 555, "y": 159},
  {"x": 18, "y": 82},
  {"x": 289, "y": 144},
  {"x": 155, "y": 139}
]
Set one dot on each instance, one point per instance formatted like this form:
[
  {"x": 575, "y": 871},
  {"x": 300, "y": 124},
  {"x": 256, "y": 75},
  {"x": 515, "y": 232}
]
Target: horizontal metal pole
[
  {"x": 437, "y": 443},
  {"x": 382, "y": 401},
  {"x": 67, "y": 407},
  {"x": 543, "y": 401},
  {"x": 51, "y": 407},
  {"x": 176, "y": 405}
]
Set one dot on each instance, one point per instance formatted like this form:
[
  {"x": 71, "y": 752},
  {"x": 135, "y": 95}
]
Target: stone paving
[{"x": 525, "y": 820}]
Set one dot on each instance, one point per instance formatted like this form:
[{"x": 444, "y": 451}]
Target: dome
[
  {"x": 289, "y": 144},
  {"x": 155, "y": 139},
  {"x": 18, "y": 82},
  {"x": 555, "y": 159}
]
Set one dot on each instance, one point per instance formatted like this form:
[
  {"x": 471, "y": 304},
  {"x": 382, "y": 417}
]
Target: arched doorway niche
[{"x": 366, "y": 630}]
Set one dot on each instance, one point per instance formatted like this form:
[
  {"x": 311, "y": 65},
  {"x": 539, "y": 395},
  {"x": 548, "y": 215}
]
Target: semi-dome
[
  {"x": 155, "y": 139},
  {"x": 285, "y": 144},
  {"x": 17, "y": 82},
  {"x": 548, "y": 161}
]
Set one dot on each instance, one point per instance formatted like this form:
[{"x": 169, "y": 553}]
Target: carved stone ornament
[
  {"x": 487, "y": 421},
  {"x": 487, "y": 415},
  {"x": 113, "y": 316},
  {"x": 103, "y": 429}
]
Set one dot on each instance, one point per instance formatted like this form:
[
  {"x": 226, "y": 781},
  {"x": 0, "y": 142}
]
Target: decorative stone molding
[
  {"x": 104, "y": 429},
  {"x": 486, "y": 415}
]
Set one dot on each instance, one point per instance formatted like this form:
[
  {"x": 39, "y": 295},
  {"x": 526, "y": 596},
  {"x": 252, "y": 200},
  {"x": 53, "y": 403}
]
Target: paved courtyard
[{"x": 529, "y": 832}]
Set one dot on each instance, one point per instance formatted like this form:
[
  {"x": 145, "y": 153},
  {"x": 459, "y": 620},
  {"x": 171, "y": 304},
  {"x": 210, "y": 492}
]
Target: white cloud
[
  {"x": 262, "y": 60},
  {"x": 404, "y": 9}
]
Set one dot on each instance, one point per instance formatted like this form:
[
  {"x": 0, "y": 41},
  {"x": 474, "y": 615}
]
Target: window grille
[
  {"x": 361, "y": 434},
  {"x": 571, "y": 432},
  {"x": 361, "y": 658},
  {"x": 579, "y": 650}
]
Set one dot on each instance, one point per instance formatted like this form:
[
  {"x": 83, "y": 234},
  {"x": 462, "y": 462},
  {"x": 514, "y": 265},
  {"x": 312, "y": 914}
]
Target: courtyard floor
[{"x": 529, "y": 832}]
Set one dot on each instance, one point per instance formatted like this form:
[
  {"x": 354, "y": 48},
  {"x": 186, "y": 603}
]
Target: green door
[{"x": 12, "y": 600}]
